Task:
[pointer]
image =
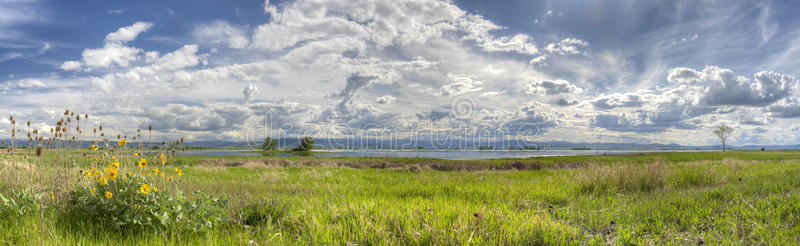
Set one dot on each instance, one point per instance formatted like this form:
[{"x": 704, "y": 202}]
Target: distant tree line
[{"x": 306, "y": 144}]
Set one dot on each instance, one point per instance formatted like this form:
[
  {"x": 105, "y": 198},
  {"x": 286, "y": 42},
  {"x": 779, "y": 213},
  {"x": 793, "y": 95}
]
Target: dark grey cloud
[
  {"x": 662, "y": 119},
  {"x": 786, "y": 108},
  {"x": 618, "y": 100},
  {"x": 566, "y": 102},
  {"x": 722, "y": 87},
  {"x": 530, "y": 118},
  {"x": 551, "y": 87},
  {"x": 354, "y": 82},
  {"x": 194, "y": 118}
]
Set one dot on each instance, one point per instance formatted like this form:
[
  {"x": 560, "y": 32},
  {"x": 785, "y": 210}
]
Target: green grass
[{"x": 739, "y": 197}]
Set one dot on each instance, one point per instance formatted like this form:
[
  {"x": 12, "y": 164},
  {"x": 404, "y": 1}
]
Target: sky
[{"x": 579, "y": 71}]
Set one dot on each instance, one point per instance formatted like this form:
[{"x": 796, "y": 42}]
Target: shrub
[
  {"x": 306, "y": 144},
  {"x": 130, "y": 203}
]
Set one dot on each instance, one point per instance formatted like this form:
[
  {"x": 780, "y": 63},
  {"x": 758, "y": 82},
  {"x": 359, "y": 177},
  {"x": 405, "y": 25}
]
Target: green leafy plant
[
  {"x": 128, "y": 203},
  {"x": 20, "y": 203}
]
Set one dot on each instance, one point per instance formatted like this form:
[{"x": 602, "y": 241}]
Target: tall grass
[{"x": 602, "y": 179}]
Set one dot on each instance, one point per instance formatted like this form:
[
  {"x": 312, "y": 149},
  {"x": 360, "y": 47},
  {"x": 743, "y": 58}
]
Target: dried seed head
[
  {"x": 86, "y": 116},
  {"x": 118, "y": 136},
  {"x": 66, "y": 112},
  {"x": 29, "y": 123},
  {"x": 101, "y": 128},
  {"x": 39, "y": 150},
  {"x": 13, "y": 122},
  {"x": 78, "y": 117}
]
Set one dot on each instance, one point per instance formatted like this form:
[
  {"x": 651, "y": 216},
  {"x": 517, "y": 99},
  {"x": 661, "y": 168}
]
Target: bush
[
  {"x": 133, "y": 202},
  {"x": 306, "y": 144},
  {"x": 128, "y": 204}
]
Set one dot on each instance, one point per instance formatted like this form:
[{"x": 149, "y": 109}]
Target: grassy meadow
[{"x": 737, "y": 197}]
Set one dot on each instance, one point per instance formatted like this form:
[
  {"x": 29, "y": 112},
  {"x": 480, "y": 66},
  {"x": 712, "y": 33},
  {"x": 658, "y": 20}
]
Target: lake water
[{"x": 442, "y": 154}]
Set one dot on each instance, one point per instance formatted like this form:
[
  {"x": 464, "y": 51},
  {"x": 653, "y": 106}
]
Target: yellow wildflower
[
  {"x": 94, "y": 147},
  {"x": 135, "y": 154},
  {"x": 179, "y": 171},
  {"x": 52, "y": 195},
  {"x": 122, "y": 142},
  {"x": 102, "y": 181},
  {"x": 155, "y": 170},
  {"x": 163, "y": 159},
  {"x": 171, "y": 178},
  {"x": 115, "y": 164},
  {"x": 155, "y": 189},
  {"x": 142, "y": 162},
  {"x": 94, "y": 189},
  {"x": 111, "y": 172},
  {"x": 145, "y": 189},
  {"x": 109, "y": 195}
]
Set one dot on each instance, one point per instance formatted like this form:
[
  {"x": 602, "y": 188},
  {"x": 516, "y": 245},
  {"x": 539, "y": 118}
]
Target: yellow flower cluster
[
  {"x": 101, "y": 179},
  {"x": 145, "y": 189}
]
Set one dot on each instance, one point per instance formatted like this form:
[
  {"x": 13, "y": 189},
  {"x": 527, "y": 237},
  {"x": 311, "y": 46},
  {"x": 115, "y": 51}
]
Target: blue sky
[{"x": 594, "y": 71}]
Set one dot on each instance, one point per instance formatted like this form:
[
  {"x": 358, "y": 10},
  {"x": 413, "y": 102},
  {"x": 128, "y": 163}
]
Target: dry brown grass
[
  {"x": 414, "y": 167},
  {"x": 622, "y": 178}
]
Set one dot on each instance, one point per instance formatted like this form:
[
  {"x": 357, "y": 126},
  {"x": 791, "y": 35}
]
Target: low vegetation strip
[{"x": 428, "y": 164}]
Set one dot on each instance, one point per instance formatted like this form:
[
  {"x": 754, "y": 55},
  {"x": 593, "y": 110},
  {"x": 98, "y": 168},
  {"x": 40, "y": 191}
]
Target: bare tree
[{"x": 723, "y": 132}]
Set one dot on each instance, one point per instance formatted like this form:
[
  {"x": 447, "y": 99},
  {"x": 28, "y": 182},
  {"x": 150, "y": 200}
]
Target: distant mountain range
[{"x": 328, "y": 143}]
